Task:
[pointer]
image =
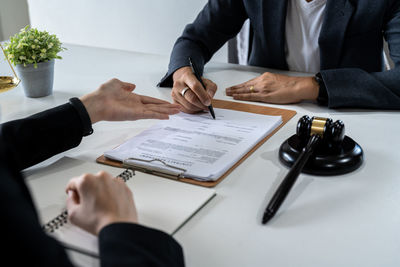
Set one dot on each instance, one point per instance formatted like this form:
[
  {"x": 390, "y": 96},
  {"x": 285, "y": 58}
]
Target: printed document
[{"x": 196, "y": 146}]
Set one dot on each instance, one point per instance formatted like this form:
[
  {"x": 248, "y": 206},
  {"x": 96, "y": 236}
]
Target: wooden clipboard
[{"x": 286, "y": 116}]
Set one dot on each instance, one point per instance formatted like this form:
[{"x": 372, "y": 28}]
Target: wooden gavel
[
  {"x": 312, "y": 132},
  {"x": 316, "y": 129}
]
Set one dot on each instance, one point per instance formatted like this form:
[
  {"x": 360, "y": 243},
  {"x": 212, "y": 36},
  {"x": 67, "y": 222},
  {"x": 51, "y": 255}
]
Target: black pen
[{"x": 196, "y": 73}]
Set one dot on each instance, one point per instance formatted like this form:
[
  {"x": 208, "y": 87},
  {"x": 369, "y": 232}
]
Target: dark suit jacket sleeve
[
  {"x": 120, "y": 241},
  {"x": 24, "y": 143},
  {"x": 349, "y": 87},
  {"x": 25, "y": 243},
  {"x": 219, "y": 21},
  {"x": 41, "y": 136},
  {"x": 28, "y": 141}
]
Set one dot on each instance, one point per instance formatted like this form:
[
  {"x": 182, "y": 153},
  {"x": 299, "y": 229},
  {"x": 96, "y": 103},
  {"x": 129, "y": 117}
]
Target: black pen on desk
[{"x": 196, "y": 73}]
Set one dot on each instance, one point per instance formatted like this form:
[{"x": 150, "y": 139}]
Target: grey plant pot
[{"x": 37, "y": 82}]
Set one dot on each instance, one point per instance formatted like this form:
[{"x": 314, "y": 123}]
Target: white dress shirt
[{"x": 303, "y": 26}]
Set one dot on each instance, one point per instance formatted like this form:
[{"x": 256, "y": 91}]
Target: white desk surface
[{"x": 349, "y": 220}]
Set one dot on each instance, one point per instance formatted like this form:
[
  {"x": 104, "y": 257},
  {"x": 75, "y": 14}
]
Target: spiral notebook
[{"x": 162, "y": 204}]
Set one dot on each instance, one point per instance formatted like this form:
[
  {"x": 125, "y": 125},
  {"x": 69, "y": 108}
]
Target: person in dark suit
[
  {"x": 340, "y": 41},
  {"x": 97, "y": 203}
]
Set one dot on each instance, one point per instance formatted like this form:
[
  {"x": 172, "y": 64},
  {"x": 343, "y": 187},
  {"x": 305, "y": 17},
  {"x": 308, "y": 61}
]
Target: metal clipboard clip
[{"x": 143, "y": 165}]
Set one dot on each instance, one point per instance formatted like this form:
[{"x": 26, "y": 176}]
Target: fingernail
[{"x": 70, "y": 193}]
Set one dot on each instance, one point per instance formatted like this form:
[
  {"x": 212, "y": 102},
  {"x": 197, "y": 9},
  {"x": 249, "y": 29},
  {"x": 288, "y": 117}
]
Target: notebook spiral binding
[{"x": 62, "y": 218}]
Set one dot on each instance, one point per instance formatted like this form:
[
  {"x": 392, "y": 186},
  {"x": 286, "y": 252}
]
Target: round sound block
[{"x": 325, "y": 160}]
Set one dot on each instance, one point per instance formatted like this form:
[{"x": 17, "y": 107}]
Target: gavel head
[{"x": 331, "y": 132}]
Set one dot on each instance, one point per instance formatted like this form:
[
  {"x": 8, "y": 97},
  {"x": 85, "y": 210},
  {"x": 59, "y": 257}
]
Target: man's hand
[
  {"x": 95, "y": 201},
  {"x": 276, "y": 88},
  {"x": 196, "y": 98},
  {"x": 114, "y": 101}
]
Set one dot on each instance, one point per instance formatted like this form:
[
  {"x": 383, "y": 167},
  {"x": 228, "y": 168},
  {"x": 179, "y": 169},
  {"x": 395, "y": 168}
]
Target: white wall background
[
  {"x": 13, "y": 17},
  {"x": 149, "y": 26}
]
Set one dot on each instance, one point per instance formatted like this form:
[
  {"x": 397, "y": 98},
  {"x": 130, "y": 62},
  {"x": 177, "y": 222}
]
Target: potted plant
[{"x": 33, "y": 53}]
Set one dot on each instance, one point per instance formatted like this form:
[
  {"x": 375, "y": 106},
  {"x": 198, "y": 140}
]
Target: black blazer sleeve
[
  {"x": 219, "y": 21},
  {"x": 28, "y": 141},
  {"x": 356, "y": 87},
  {"x": 24, "y": 143},
  {"x": 120, "y": 241},
  {"x": 38, "y": 137},
  {"x": 25, "y": 243}
]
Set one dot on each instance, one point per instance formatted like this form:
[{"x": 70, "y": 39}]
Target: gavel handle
[{"x": 288, "y": 182}]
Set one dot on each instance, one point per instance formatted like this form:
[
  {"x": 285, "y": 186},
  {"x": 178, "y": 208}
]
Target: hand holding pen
[
  {"x": 189, "y": 92},
  {"x": 197, "y": 74}
]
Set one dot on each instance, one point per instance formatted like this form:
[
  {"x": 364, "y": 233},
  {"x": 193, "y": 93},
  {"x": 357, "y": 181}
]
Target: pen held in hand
[{"x": 196, "y": 73}]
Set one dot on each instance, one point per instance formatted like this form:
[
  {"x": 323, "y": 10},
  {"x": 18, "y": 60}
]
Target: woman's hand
[
  {"x": 95, "y": 201},
  {"x": 114, "y": 101},
  {"x": 196, "y": 98},
  {"x": 276, "y": 88}
]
